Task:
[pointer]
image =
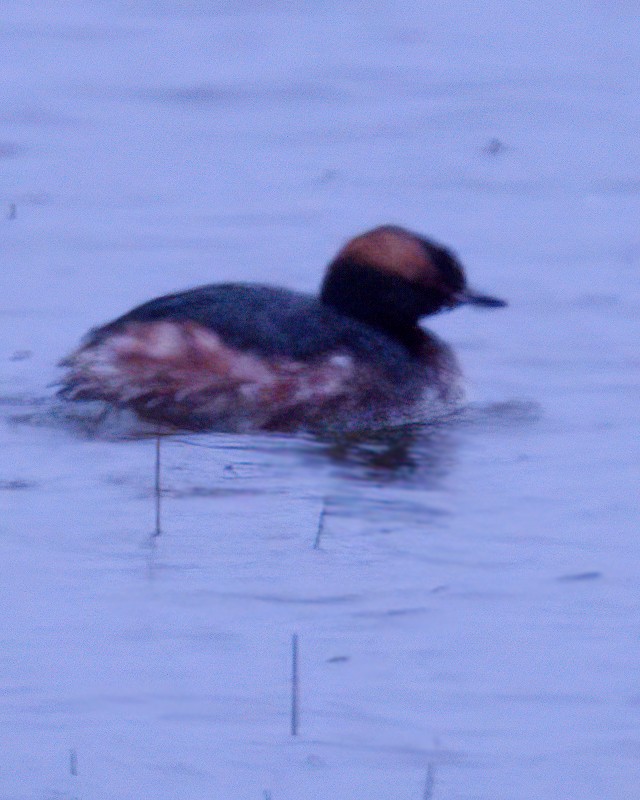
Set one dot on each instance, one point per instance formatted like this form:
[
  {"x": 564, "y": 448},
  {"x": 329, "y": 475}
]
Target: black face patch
[
  {"x": 388, "y": 302},
  {"x": 447, "y": 265}
]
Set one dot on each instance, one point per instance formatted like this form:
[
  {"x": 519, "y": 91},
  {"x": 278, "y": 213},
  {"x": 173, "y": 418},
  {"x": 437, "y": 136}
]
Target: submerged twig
[
  {"x": 158, "y": 489},
  {"x": 73, "y": 762},
  {"x": 320, "y": 529},
  {"x": 429, "y": 783}
]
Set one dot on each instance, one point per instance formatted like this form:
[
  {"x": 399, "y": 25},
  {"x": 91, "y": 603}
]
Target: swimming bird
[{"x": 247, "y": 357}]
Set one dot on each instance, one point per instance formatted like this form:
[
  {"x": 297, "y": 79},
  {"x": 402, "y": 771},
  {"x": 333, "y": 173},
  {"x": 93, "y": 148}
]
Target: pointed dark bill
[{"x": 475, "y": 299}]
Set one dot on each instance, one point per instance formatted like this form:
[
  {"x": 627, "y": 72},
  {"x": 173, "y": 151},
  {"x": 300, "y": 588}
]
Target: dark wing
[{"x": 266, "y": 321}]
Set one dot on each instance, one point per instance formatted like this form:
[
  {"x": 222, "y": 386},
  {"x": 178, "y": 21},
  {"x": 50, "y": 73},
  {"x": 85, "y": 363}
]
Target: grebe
[{"x": 238, "y": 357}]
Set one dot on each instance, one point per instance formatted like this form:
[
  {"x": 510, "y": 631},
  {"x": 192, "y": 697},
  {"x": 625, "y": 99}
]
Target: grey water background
[{"x": 469, "y": 624}]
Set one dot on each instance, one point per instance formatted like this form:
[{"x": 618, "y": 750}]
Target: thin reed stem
[
  {"x": 158, "y": 489},
  {"x": 294, "y": 685}
]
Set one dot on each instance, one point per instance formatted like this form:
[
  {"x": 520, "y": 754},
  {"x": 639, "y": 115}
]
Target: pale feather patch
[{"x": 185, "y": 370}]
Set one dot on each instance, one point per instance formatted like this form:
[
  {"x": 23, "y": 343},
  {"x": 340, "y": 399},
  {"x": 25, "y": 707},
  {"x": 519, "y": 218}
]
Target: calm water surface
[{"x": 466, "y": 596}]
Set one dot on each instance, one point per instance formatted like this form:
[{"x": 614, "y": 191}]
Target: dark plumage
[{"x": 237, "y": 356}]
